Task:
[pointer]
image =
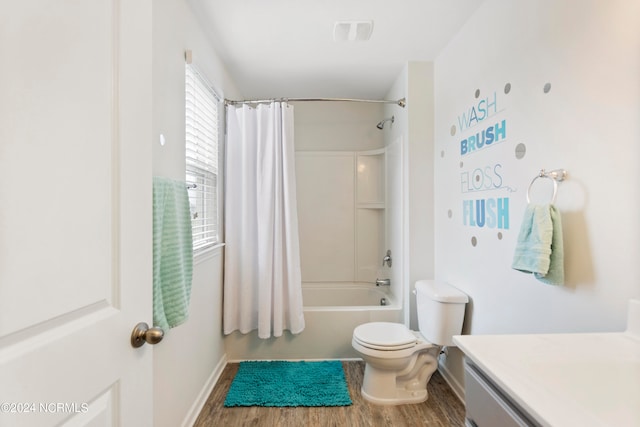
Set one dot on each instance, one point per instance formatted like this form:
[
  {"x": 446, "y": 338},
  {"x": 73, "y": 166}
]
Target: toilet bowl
[
  {"x": 400, "y": 362},
  {"x": 398, "y": 372}
]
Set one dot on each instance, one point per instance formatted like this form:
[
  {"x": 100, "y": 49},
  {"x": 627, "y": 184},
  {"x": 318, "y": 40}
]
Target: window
[{"x": 202, "y": 142}]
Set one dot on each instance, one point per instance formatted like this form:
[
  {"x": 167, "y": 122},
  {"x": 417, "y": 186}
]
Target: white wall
[
  {"x": 187, "y": 361},
  {"x": 588, "y": 124},
  {"x": 414, "y": 128},
  {"x": 337, "y": 126}
]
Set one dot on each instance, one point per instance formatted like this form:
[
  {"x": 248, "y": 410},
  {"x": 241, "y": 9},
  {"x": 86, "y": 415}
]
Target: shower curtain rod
[{"x": 401, "y": 102}]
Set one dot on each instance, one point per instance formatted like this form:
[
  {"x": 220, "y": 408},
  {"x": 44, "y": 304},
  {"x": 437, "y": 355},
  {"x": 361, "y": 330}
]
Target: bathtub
[
  {"x": 351, "y": 296},
  {"x": 331, "y": 312}
]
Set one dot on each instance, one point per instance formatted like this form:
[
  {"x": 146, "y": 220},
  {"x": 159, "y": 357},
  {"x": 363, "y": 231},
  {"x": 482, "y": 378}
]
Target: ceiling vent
[{"x": 350, "y": 31}]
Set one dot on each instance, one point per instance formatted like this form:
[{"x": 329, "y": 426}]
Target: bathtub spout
[{"x": 383, "y": 282}]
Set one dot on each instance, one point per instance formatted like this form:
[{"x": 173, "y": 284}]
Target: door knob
[{"x": 142, "y": 333}]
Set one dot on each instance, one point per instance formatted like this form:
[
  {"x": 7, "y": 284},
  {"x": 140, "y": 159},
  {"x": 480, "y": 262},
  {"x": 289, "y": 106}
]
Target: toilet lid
[{"x": 384, "y": 335}]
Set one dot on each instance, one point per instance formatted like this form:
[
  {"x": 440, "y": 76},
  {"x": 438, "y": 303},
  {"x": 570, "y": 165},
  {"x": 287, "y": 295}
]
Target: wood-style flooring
[{"x": 442, "y": 408}]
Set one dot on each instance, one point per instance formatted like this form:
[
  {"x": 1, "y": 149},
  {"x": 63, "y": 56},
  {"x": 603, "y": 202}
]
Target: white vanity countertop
[{"x": 590, "y": 379}]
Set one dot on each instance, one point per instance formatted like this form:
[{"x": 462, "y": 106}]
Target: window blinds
[{"x": 202, "y": 141}]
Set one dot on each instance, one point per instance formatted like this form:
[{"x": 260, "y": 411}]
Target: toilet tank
[{"x": 440, "y": 309}]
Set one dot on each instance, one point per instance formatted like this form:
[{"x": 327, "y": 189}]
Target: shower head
[{"x": 381, "y": 124}]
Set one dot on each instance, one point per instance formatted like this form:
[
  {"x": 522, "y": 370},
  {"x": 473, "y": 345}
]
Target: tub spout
[{"x": 383, "y": 282}]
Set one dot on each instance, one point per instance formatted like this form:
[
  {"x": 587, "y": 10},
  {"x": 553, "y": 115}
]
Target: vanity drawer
[{"x": 487, "y": 406}]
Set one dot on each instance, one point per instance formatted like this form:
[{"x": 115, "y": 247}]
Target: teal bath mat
[{"x": 281, "y": 383}]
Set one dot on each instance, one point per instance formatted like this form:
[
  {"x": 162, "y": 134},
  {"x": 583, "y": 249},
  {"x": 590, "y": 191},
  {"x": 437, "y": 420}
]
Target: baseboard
[
  {"x": 455, "y": 385},
  {"x": 200, "y": 401}
]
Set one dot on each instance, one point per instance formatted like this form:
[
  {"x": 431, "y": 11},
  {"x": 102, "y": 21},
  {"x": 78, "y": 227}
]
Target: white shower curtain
[{"x": 262, "y": 280}]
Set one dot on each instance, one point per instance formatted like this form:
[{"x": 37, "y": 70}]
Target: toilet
[{"x": 400, "y": 362}]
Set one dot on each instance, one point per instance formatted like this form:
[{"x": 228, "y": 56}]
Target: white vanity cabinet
[
  {"x": 554, "y": 380},
  {"x": 487, "y": 405}
]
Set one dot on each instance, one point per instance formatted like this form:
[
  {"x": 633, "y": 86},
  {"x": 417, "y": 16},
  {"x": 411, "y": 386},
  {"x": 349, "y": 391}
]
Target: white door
[{"x": 75, "y": 212}]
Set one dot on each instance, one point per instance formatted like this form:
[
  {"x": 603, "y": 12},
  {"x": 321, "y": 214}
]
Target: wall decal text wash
[{"x": 484, "y": 109}]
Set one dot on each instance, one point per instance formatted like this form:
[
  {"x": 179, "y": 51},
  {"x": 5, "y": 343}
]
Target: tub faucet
[
  {"x": 387, "y": 258},
  {"x": 383, "y": 282}
]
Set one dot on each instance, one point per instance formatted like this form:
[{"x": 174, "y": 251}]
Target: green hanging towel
[
  {"x": 539, "y": 249},
  {"x": 172, "y": 253}
]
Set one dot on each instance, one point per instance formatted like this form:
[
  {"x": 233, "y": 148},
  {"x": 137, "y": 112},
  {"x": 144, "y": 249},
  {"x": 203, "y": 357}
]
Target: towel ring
[{"x": 555, "y": 176}]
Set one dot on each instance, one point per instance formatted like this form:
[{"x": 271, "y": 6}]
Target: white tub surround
[
  {"x": 586, "y": 379},
  {"x": 342, "y": 215}
]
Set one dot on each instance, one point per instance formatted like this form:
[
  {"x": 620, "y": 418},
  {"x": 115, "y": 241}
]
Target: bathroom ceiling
[{"x": 285, "y": 48}]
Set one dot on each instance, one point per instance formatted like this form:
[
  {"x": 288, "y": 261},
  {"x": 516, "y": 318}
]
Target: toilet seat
[{"x": 385, "y": 336}]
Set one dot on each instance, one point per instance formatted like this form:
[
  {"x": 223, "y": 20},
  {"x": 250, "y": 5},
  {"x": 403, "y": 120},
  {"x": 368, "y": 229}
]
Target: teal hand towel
[
  {"x": 172, "y": 253},
  {"x": 555, "y": 273},
  {"x": 539, "y": 249}
]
